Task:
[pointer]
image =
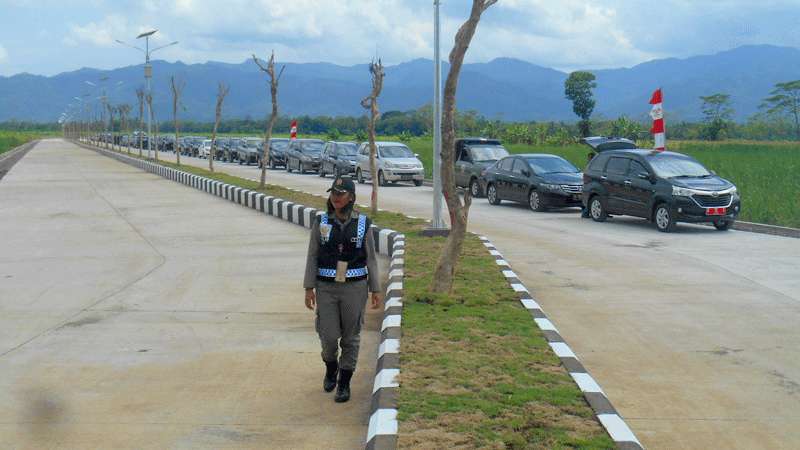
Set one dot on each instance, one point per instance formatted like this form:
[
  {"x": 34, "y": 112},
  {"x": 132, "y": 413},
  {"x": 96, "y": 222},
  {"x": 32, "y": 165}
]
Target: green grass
[
  {"x": 12, "y": 139},
  {"x": 476, "y": 372}
]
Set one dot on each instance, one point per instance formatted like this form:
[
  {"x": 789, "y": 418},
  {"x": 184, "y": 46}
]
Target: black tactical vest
[{"x": 343, "y": 244}]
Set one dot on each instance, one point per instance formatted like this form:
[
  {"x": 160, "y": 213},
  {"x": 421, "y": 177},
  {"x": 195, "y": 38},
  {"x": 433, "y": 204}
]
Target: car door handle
[
  {"x": 628, "y": 182},
  {"x": 604, "y": 178}
]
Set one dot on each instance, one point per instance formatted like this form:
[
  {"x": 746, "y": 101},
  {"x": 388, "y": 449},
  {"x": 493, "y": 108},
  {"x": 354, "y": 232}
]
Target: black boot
[
  {"x": 343, "y": 389},
  {"x": 331, "y": 369}
]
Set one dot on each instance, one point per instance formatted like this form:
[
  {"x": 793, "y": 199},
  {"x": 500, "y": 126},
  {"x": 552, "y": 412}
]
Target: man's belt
[{"x": 351, "y": 273}]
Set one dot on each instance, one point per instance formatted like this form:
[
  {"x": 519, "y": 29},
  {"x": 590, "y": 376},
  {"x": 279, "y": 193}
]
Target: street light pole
[
  {"x": 437, "y": 224},
  {"x": 148, "y": 74}
]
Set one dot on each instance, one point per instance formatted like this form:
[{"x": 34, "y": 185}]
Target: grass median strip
[{"x": 475, "y": 370}]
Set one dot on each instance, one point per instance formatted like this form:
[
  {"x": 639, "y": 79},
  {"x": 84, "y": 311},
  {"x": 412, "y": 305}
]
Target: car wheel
[
  {"x": 723, "y": 225},
  {"x": 418, "y": 183},
  {"x": 381, "y": 179},
  {"x": 321, "y": 171},
  {"x": 535, "y": 201},
  {"x": 359, "y": 176},
  {"x": 491, "y": 195},
  {"x": 665, "y": 220},
  {"x": 475, "y": 188},
  {"x": 597, "y": 211},
  {"x": 289, "y": 165}
]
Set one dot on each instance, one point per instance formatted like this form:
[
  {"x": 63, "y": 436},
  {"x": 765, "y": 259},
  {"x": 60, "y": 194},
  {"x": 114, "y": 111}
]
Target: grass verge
[
  {"x": 12, "y": 139},
  {"x": 475, "y": 370}
]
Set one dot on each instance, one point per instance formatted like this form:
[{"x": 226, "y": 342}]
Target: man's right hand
[{"x": 311, "y": 299}]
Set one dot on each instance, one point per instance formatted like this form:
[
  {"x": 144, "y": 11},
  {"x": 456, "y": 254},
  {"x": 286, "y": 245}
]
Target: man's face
[{"x": 340, "y": 199}]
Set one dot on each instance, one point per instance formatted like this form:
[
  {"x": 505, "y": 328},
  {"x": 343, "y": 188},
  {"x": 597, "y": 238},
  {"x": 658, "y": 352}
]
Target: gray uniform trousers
[{"x": 340, "y": 314}]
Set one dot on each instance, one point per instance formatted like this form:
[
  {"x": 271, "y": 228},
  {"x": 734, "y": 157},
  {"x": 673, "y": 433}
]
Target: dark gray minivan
[{"x": 662, "y": 187}]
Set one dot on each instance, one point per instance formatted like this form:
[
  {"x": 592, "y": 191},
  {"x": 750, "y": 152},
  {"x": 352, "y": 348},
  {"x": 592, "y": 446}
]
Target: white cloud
[{"x": 99, "y": 34}]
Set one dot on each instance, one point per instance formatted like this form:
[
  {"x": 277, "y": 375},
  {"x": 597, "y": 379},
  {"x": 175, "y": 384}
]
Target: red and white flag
[
  {"x": 657, "y": 113},
  {"x": 294, "y": 130}
]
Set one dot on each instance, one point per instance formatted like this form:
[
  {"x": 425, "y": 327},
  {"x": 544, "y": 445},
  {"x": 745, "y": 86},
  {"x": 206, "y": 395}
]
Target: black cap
[{"x": 343, "y": 184}]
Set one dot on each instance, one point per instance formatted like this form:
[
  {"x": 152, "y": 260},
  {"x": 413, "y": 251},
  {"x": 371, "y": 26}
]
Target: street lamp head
[{"x": 145, "y": 34}]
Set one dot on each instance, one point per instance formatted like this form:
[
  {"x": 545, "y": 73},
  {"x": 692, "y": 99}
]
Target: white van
[{"x": 205, "y": 149}]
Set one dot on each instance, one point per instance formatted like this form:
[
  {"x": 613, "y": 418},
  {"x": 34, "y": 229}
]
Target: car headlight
[
  {"x": 388, "y": 164},
  {"x": 682, "y": 192}
]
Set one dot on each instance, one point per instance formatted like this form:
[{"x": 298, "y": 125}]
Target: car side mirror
[
  {"x": 416, "y": 155},
  {"x": 526, "y": 172}
]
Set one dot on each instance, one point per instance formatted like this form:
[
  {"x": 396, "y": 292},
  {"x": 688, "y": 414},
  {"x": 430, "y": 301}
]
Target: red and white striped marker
[
  {"x": 657, "y": 113},
  {"x": 294, "y": 130}
]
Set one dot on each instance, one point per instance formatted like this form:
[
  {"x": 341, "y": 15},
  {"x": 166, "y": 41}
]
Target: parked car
[
  {"x": 247, "y": 150},
  {"x": 230, "y": 152},
  {"x": 473, "y": 156},
  {"x": 204, "y": 150},
  {"x": 662, "y": 187},
  {"x": 304, "y": 155},
  {"x": 219, "y": 148},
  {"x": 537, "y": 179},
  {"x": 277, "y": 152},
  {"x": 395, "y": 162},
  {"x": 338, "y": 158}
]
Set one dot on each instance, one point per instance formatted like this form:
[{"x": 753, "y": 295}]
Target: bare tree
[
  {"x": 124, "y": 110},
  {"x": 222, "y": 91},
  {"x": 177, "y": 90},
  {"x": 111, "y": 110},
  {"x": 140, "y": 97},
  {"x": 370, "y": 102},
  {"x": 459, "y": 212},
  {"x": 273, "y": 90},
  {"x": 150, "y": 141}
]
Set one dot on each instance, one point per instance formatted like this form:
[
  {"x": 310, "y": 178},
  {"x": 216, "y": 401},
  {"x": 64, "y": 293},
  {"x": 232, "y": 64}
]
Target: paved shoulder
[{"x": 138, "y": 313}]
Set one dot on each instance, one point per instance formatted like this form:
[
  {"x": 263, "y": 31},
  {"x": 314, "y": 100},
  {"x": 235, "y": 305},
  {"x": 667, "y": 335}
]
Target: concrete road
[
  {"x": 694, "y": 336},
  {"x": 137, "y": 313}
]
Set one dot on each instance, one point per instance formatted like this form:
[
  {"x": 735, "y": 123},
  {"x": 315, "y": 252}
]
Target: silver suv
[{"x": 395, "y": 162}]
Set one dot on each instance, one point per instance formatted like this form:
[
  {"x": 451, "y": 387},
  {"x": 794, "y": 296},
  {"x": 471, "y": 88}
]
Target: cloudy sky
[{"x": 52, "y": 36}]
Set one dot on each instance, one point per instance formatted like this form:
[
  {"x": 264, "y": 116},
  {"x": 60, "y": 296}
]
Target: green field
[{"x": 11, "y": 139}]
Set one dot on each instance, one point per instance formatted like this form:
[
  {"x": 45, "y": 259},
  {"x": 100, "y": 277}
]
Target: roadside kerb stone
[
  {"x": 608, "y": 417},
  {"x": 382, "y": 428}
]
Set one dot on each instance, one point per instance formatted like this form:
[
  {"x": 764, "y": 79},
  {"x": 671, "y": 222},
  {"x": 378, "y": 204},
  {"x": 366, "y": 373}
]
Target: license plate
[
  {"x": 716, "y": 211},
  {"x": 406, "y": 177}
]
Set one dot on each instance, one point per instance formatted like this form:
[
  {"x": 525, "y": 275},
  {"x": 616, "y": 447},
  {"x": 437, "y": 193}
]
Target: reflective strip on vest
[{"x": 351, "y": 273}]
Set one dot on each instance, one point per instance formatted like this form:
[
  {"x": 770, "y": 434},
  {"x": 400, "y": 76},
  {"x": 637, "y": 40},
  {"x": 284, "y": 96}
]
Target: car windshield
[
  {"x": 672, "y": 166},
  {"x": 551, "y": 164},
  {"x": 483, "y": 153},
  {"x": 347, "y": 149},
  {"x": 255, "y": 143},
  {"x": 314, "y": 148},
  {"x": 279, "y": 145},
  {"x": 395, "y": 151}
]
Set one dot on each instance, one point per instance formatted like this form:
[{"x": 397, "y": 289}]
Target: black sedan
[
  {"x": 277, "y": 153},
  {"x": 537, "y": 179}
]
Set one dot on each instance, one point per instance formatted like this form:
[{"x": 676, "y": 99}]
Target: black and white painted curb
[
  {"x": 382, "y": 430},
  {"x": 614, "y": 424}
]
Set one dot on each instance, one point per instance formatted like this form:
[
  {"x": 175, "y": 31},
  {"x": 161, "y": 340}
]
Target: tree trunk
[
  {"x": 140, "y": 97},
  {"x": 273, "y": 117},
  {"x": 371, "y": 102},
  {"x": 177, "y": 89},
  {"x": 459, "y": 213},
  {"x": 221, "y": 93}
]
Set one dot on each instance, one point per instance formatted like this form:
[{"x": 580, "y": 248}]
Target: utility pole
[
  {"x": 148, "y": 74},
  {"x": 437, "y": 227}
]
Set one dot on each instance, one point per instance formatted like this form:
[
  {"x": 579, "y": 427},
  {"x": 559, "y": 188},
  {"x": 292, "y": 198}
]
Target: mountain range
[{"x": 504, "y": 88}]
